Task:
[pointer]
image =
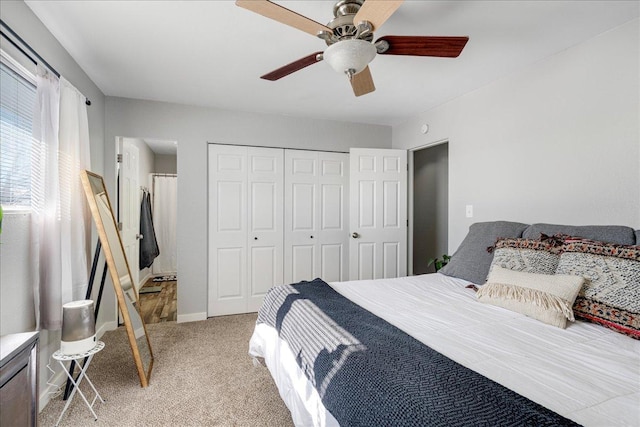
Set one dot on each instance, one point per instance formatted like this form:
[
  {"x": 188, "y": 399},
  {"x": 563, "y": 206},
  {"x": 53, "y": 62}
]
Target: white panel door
[
  {"x": 129, "y": 205},
  {"x": 316, "y": 219},
  {"x": 265, "y": 232},
  {"x": 301, "y": 175},
  {"x": 227, "y": 230},
  {"x": 378, "y": 213},
  {"x": 333, "y": 216}
]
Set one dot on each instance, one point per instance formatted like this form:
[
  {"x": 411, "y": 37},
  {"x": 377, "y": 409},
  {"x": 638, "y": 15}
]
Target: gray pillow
[
  {"x": 638, "y": 237},
  {"x": 619, "y": 234},
  {"x": 472, "y": 261}
]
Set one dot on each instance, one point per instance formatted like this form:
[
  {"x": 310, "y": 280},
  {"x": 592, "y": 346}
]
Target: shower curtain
[{"x": 165, "y": 203}]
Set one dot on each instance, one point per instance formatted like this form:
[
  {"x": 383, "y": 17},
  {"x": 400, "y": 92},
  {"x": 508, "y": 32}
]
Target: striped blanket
[{"x": 370, "y": 373}]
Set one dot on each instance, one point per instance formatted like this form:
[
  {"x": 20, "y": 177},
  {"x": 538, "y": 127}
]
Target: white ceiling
[
  {"x": 211, "y": 53},
  {"x": 161, "y": 146}
]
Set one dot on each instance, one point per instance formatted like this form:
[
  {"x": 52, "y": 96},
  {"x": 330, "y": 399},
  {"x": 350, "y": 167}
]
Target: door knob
[
  {"x": 139, "y": 236},
  {"x": 355, "y": 235}
]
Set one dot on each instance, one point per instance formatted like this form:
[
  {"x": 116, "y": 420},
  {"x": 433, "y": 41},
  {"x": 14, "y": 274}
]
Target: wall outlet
[{"x": 469, "y": 211}]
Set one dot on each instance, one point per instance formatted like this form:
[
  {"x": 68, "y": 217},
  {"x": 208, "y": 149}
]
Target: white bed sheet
[{"x": 586, "y": 373}]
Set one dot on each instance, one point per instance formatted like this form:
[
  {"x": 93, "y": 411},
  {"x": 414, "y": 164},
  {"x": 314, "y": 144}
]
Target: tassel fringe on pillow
[{"x": 541, "y": 299}]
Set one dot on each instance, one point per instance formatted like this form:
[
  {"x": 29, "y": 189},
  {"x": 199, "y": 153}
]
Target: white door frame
[
  {"x": 119, "y": 144},
  {"x": 410, "y": 184}
]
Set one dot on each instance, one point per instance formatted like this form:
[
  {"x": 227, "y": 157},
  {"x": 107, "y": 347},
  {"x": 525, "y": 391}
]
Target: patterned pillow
[
  {"x": 611, "y": 293},
  {"x": 531, "y": 256}
]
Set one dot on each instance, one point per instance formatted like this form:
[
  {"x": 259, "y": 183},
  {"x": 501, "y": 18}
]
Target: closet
[
  {"x": 245, "y": 226},
  {"x": 275, "y": 216}
]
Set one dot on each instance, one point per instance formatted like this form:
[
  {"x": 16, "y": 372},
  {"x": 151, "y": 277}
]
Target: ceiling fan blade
[
  {"x": 362, "y": 83},
  {"x": 293, "y": 67},
  {"x": 283, "y": 15},
  {"x": 376, "y": 11},
  {"x": 447, "y": 47}
]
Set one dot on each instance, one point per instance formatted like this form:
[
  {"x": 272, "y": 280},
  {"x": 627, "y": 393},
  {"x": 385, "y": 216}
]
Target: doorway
[
  {"x": 147, "y": 210},
  {"x": 430, "y": 207}
]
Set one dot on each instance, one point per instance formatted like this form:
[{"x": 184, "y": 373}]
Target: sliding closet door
[
  {"x": 227, "y": 230},
  {"x": 301, "y": 170},
  {"x": 245, "y": 226},
  {"x": 333, "y": 218},
  {"x": 316, "y": 201},
  {"x": 265, "y": 207}
]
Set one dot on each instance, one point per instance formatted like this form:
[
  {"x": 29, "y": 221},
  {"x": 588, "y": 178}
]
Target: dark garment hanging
[{"x": 149, "y": 249}]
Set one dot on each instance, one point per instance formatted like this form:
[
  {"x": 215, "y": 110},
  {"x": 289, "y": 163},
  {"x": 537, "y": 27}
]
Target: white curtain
[
  {"x": 73, "y": 157},
  {"x": 44, "y": 195},
  {"x": 165, "y": 210},
  {"x": 59, "y": 221}
]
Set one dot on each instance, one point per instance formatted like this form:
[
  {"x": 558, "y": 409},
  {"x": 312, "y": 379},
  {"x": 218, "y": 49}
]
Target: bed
[{"x": 585, "y": 374}]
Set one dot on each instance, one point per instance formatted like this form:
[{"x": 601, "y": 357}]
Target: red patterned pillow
[{"x": 611, "y": 293}]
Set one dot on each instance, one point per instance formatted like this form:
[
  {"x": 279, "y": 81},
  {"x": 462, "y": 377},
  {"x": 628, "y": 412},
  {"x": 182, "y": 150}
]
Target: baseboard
[
  {"x": 192, "y": 317},
  {"x": 145, "y": 278}
]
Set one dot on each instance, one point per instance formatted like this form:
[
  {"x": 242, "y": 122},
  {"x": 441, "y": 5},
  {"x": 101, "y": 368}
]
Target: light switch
[{"x": 469, "y": 211}]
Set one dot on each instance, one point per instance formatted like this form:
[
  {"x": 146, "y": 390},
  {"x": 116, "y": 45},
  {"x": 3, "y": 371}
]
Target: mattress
[{"x": 586, "y": 373}]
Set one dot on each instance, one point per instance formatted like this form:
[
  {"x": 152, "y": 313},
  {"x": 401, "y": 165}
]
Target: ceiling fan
[{"x": 349, "y": 37}]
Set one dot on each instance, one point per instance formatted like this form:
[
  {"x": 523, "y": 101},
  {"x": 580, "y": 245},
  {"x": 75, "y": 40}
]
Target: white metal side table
[{"x": 61, "y": 358}]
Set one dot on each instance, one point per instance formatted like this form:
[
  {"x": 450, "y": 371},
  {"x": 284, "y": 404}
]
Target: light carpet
[{"x": 202, "y": 376}]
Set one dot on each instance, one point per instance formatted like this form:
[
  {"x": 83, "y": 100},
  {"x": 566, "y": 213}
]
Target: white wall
[
  {"x": 557, "y": 142},
  {"x": 17, "y": 312},
  {"x": 147, "y": 161},
  {"x": 193, "y": 127},
  {"x": 16, "y": 282},
  {"x": 166, "y": 163}
]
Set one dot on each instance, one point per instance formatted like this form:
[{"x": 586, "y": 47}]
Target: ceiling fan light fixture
[{"x": 350, "y": 56}]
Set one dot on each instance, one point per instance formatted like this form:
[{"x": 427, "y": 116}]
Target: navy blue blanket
[{"x": 370, "y": 373}]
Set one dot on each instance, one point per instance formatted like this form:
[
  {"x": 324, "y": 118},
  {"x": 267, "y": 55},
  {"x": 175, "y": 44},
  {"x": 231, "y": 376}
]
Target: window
[{"x": 17, "y": 98}]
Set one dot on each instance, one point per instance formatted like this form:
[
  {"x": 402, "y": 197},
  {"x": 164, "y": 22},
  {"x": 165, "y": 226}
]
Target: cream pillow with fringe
[{"x": 545, "y": 297}]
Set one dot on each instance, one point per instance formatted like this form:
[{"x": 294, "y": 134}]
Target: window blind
[{"x": 17, "y": 98}]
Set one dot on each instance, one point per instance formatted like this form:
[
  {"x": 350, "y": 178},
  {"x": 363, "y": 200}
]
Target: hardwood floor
[{"x": 160, "y": 306}]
